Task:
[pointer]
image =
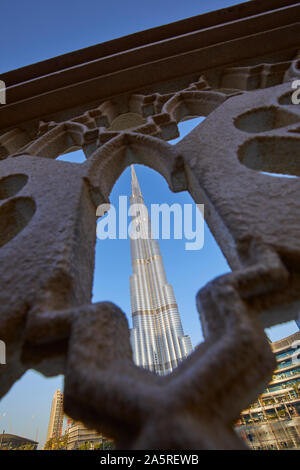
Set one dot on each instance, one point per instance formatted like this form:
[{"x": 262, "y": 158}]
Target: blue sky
[{"x": 33, "y": 31}]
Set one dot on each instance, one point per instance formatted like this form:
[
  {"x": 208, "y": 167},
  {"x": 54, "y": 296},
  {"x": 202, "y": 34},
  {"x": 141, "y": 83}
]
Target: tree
[
  {"x": 57, "y": 442},
  {"x": 49, "y": 444},
  {"x": 108, "y": 445},
  {"x": 84, "y": 446}
]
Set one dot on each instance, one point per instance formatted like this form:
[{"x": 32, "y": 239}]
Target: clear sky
[{"x": 33, "y": 31}]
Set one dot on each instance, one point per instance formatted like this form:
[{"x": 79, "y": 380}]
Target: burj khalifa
[{"x": 157, "y": 338}]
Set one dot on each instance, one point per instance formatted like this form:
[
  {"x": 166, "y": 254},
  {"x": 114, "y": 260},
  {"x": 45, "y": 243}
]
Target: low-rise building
[
  {"x": 80, "y": 437},
  {"x": 273, "y": 420},
  {"x": 13, "y": 442}
]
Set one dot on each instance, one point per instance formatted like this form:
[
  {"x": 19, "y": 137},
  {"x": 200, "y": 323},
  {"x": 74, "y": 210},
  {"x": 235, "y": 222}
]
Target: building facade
[
  {"x": 56, "y": 416},
  {"x": 80, "y": 437},
  {"x": 13, "y": 442},
  {"x": 157, "y": 337},
  {"x": 273, "y": 421}
]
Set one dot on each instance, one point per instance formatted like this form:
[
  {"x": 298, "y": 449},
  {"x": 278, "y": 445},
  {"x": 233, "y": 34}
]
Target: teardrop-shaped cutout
[
  {"x": 272, "y": 155},
  {"x": 11, "y": 185},
  {"x": 265, "y": 119},
  {"x": 15, "y": 214}
]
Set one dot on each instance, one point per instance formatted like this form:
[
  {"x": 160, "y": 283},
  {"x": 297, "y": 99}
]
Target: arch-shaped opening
[
  {"x": 60, "y": 140},
  {"x": 105, "y": 167},
  {"x": 183, "y": 267},
  {"x": 193, "y": 103},
  {"x": 107, "y": 163}
]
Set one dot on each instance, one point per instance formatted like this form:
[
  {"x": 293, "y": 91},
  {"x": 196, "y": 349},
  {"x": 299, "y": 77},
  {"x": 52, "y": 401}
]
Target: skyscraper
[
  {"x": 56, "y": 416},
  {"x": 157, "y": 336}
]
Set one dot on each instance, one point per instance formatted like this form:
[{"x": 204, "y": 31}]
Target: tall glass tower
[{"x": 157, "y": 337}]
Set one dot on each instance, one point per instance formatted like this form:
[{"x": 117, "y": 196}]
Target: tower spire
[
  {"x": 135, "y": 187},
  {"x": 157, "y": 336}
]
